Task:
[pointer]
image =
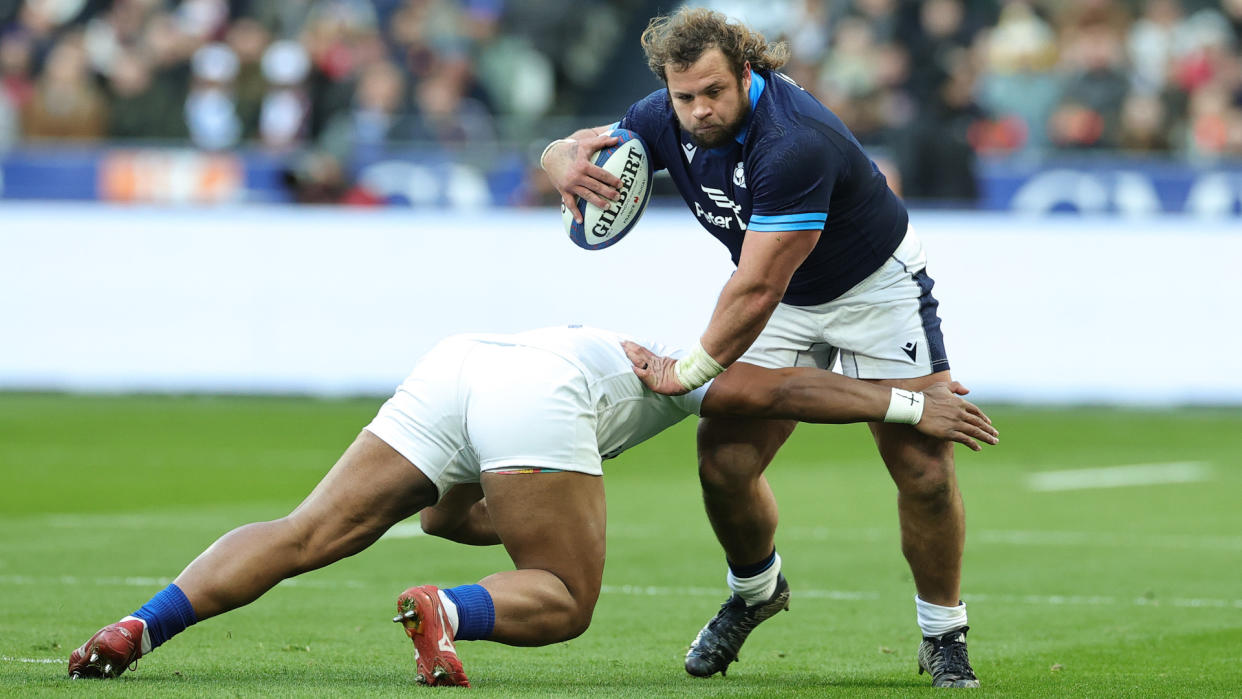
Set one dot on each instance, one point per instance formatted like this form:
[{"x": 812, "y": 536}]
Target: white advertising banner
[{"x": 338, "y": 301}]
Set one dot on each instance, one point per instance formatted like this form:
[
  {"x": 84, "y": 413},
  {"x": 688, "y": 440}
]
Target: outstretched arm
[{"x": 818, "y": 396}]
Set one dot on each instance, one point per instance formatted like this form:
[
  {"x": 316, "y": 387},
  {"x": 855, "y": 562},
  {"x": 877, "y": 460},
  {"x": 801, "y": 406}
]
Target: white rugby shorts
[
  {"x": 471, "y": 406},
  {"x": 885, "y": 327}
]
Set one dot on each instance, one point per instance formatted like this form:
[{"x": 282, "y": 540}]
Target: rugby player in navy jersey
[
  {"x": 497, "y": 439},
  {"x": 827, "y": 269}
]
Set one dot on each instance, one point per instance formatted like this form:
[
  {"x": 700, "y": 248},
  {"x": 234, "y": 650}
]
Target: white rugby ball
[{"x": 631, "y": 163}]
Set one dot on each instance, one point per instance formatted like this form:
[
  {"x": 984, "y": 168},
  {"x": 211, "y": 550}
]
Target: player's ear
[{"x": 745, "y": 77}]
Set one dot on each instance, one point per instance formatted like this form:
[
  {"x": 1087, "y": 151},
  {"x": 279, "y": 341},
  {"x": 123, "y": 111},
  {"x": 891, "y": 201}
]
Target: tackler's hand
[
  {"x": 654, "y": 371},
  {"x": 948, "y": 416}
]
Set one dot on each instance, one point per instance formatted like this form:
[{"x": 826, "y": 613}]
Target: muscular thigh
[
  {"x": 738, "y": 446},
  {"x": 910, "y": 455},
  {"x": 553, "y": 522},
  {"x": 370, "y": 488}
]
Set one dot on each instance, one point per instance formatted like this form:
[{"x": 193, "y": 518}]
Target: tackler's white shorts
[
  {"x": 885, "y": 327},
  {"x": 468, "y": 406}
]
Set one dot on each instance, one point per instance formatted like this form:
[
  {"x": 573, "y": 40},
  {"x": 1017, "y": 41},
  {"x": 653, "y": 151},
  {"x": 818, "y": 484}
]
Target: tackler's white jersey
[
  {"x": 558, "y": 398},
  {"x": 627, "y": 412}
]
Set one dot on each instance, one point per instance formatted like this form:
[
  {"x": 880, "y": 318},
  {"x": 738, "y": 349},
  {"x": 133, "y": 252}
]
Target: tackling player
[
  {"x": 529, "y": 417},
  {"x": 827, "y": 269}
]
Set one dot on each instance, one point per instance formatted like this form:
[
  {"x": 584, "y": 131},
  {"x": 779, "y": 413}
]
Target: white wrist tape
[
  {"x": 552, "y": 145},
  {"x": 696, "y": 368},
  {"x": 905, "y": 407}
]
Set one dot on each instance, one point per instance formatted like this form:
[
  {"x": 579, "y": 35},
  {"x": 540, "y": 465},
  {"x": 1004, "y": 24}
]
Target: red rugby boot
[
  {"x": 420, "y": 611},
  {"x": 111, "y": 651}
]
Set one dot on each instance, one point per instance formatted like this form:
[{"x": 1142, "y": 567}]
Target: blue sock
[
  {"x": 167, "y": 614},
  {"x": 475, "y": 614},
  {"x": 753, "y": 569}
]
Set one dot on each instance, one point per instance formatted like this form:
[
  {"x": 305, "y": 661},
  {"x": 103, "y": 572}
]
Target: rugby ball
[{"x": 631, "y": 163}]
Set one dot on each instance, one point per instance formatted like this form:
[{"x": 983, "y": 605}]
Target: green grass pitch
[{"x": 1120, "y": 591}]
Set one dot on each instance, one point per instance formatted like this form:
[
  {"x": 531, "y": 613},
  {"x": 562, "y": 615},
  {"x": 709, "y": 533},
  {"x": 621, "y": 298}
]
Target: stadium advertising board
[{"x": 419, "y": 177}]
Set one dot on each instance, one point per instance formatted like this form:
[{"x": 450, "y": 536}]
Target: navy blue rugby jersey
[{"x": 795, "y": 166}]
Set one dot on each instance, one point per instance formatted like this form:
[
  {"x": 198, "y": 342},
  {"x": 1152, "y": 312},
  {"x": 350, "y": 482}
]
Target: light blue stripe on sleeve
[
  {"x": 790, "y": 218},
  {"x": 787, "y": 222},
  {"x": 764, "y": 227}
]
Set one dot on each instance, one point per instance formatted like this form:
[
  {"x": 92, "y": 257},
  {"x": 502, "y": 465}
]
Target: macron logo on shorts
[{"x": 912, "y": 350}]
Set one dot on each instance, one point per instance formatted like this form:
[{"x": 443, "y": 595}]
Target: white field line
[
  {"x": 1097, "y": 539},
  {"x": 409, "y": 530},
  {"x": 1011, "y": 537},
  {"x": 1025, "y": 600},
  {"x": 1119, "y": 476},
  {"x": 160, "y": 582},
  {"x": 712, "y": 592},
  {"x": 45, "y": 661},
  {"x": 625, "y": 530}
]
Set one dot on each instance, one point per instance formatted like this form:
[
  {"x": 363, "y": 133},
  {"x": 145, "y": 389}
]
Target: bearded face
[{"x": 710, "y": 101}]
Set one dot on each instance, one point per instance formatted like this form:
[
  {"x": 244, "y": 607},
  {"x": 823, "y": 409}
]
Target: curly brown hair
[{"x": 680, "y": 39}]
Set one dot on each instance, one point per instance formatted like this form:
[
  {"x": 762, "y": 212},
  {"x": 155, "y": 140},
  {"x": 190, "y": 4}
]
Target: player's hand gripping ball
[{"x": 631, "y": 163}]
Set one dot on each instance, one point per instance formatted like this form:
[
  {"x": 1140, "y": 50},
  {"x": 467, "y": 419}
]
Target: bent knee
[
  {"x": 733, "y": 466},
  {"x": 725, "y": 477},
  {"x": 739, "y": 450},
  {"x": 564, "y": 620},
  {"x": 579, "y": 621},
  {"x": 433, "y": 523},
  {"x": 932, "y": 482}
]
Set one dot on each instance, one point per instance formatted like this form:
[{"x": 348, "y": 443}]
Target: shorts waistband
[{"x": 910, "y": 252}]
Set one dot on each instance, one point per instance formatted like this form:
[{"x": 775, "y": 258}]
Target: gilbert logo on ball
[{"x": 631, "y": 163}]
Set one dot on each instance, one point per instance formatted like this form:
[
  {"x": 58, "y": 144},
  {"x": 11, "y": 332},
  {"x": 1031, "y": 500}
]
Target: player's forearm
[
  {"x": 803, "y": 394},
  {"x": 744, "y": 307},
  {"x": 815, "y": 395}
]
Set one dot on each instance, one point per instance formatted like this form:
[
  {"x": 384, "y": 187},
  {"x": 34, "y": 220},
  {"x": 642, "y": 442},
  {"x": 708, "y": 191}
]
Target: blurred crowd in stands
[{"x": 930, "y": 83}]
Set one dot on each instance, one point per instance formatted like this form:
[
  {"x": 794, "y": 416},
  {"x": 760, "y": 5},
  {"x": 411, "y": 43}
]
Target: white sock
[
  {"x": 146, "y": 635},
  {"x": 935, "y": 620},
  {"x": 757, "y": 588},
  {"x": 450, "y": 611}
]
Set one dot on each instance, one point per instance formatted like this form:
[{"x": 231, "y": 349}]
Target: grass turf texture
[{"x": 1129, "y": 591}]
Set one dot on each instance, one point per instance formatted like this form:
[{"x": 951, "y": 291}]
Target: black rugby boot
[
  {"x": 944, "y": 658},
  {"x": 718, "y": 643}
]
